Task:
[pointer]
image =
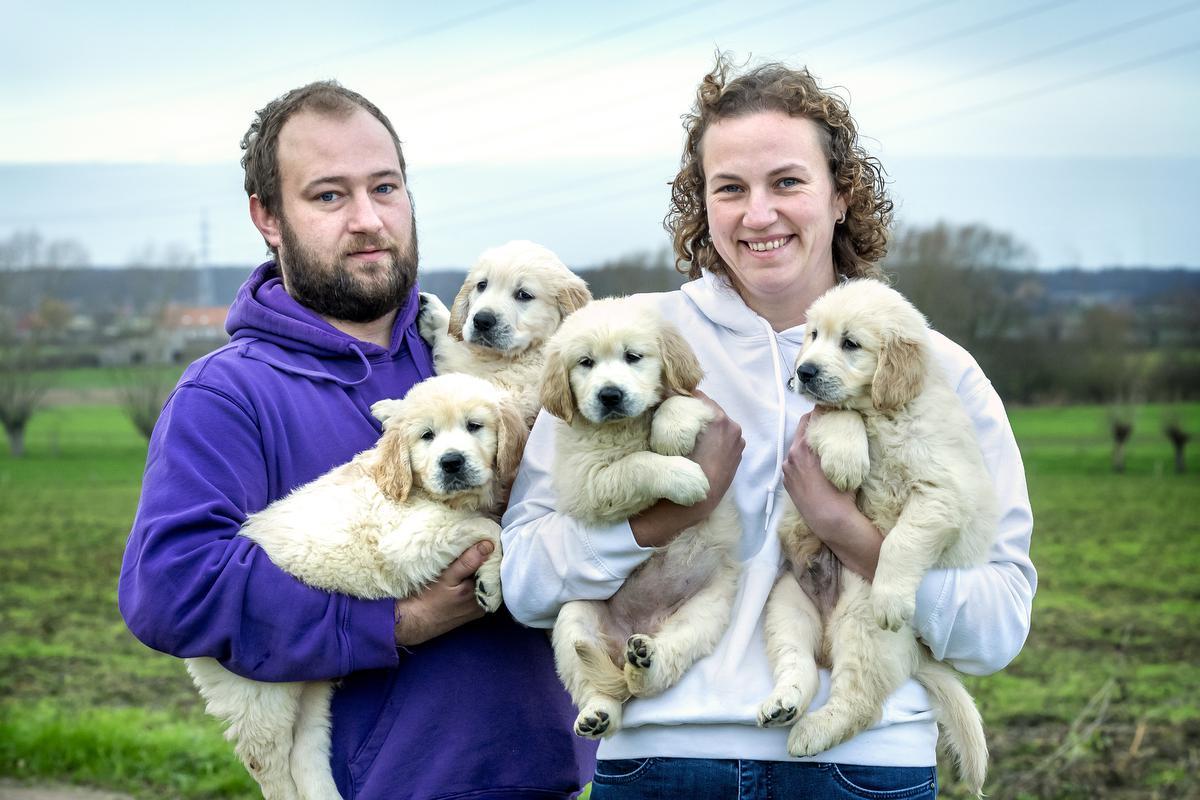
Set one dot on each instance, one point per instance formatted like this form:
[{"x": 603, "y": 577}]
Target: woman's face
[{"x": 771, "y": 207}]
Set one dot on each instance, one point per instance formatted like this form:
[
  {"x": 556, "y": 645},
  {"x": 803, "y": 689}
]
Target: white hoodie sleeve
[
  {"x": 549, "y": 557},
  {"x": 977, "y": 619}
]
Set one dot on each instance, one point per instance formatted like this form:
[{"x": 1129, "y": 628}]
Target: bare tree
[
  {"x": 1173, "y": 428},
  {"x": 22, "y": 390},
  {"x": 1120, "y": 425},
  {"x": 143, "y": 393}
]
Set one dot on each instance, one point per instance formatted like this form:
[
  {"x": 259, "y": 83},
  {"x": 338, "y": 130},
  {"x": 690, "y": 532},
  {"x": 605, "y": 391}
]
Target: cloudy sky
[{"x": 1075, "y": 125}]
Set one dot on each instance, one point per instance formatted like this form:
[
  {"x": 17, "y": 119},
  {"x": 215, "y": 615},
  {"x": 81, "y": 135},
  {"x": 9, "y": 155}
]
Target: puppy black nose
[
  {"x": 484, "y": 320},
  {"x": 610, "y": 396},
  {"x": 451, "y": 463},
  {"x": 806, "y": 372}
]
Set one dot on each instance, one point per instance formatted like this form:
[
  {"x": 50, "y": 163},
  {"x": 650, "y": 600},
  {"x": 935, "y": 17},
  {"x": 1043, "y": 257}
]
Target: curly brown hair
[
  {"x": 261, "y": 141},
  {"x": 859, "y": 242}
]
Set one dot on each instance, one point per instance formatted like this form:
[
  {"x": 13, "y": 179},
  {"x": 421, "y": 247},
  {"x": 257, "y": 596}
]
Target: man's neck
[{"x": 377, "y": 331}]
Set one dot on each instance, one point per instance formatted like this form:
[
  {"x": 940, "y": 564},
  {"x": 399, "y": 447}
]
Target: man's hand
[
  {"x": 718, "y": 451},
  {"x": 444, "y": 604}
]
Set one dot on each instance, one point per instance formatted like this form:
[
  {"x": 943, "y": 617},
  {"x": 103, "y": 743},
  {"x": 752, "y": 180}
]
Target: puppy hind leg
[
  {"x": 654, "y": 663},
  {"x": 868, "y": 665},
  {"x": 310, "y": 751},
  {"x": 793, "y": 633},
  {"x": 912, "y": 547},
  {"x": 595, "y": 684}
]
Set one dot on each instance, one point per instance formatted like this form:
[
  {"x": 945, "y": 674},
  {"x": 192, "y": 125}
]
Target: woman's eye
[
  {"x": 473, "y": 426},
  {"x": 849, "y": 344},
  {"x": 523, "y": 295},
  {"x": 427, "y": 436},
  {"x": 632, "y": 358},
  {"x": 730, "y": 188},
  {"x": 481, "y": 285},
  {"x": 789, "y": 183},
  {"x": 586, "y": 362}
]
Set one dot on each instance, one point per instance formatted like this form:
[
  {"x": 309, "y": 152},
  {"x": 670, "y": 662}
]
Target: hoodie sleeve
[
  {"x": 549, "y": 557},
  {"x": 190, "y": 586},
  {"x": 977, "y": 619}
]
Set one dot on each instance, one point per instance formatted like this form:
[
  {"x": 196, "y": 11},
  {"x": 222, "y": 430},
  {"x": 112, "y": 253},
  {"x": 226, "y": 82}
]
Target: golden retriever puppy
[
  {"x": 894, "y": 429},
  {"x": 620, "y": 378},
  {"x": 511, "y": 303},
  {"x": 385, "y": 524}
]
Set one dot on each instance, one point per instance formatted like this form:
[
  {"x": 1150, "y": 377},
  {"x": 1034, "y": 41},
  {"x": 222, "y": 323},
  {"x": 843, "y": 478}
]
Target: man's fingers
[{"x": 466, "y": 565}]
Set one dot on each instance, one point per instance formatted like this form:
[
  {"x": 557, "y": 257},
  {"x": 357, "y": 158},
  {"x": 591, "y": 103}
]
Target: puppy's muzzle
[
  {"x": 455, "y": 473},
  {"x": 452, "y": 463},
  {"x": 612, "y": 402},
  {"x": 487, "y": 330}
]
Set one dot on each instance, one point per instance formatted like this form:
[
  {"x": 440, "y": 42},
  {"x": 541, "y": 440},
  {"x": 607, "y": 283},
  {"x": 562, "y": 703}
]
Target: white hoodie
[{"x": 975, "y": 619}]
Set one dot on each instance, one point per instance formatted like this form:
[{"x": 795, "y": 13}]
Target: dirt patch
[{"x": 12, "y": 791}]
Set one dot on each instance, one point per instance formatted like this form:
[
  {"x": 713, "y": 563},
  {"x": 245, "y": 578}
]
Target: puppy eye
[
  {"x": 473, "y": 426},
  {"x": 427, "y": 436},
  {"x": 849, "y": 344},
  {"x": 586, "y": 363},
  {"x": 632, "y": 358},
  {"x": 481, "y": 285},
  {"x": 813, "y": 336},
  {"x": 523, "y": 296}
]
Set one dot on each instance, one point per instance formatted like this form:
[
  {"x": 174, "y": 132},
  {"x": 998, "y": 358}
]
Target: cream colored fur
[
  {"x": 527, "y": 292},
  {"x": 385, "y": 524},
  {"x": 893, "y": 429},
  {"x": 613, "y": 460}
]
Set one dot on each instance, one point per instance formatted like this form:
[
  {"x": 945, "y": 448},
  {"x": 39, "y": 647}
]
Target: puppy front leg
[
  {"x": 654, "y": 663},
  {"x": 639, "y": 480},
  {"x": 677, "y": 422},
  {"x": 487, "y": 578},
  {"x": 433, "y": 325},
  {"x": 594, "y": 682},
  {"x": 839, "y": 438},
  {"x": 793, "y": 632},
  {"x": 912, "y": 547}
]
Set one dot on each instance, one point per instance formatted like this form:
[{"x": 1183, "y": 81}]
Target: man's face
[{"x": 346, "y": 235}]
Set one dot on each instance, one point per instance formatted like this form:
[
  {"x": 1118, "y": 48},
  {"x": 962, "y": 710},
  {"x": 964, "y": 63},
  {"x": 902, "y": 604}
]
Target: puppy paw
[
  {"x": 893, "y": 610},
  {"x": 846, "y": 467},
  {"x": 839, "y": 438},
  {"x": 781, "y": 708},
  {"x": 644, "y": 674},
  {"x": 639, "y": 651},
  {"x": 810, "y": 736},
  {"x": 487, "y": 594},
  {"x": 686, "y": 483},
  {"x": 433, "y": 318},
  {"x": 676, "y": 424},
  {"x": 601, "y": 717}
]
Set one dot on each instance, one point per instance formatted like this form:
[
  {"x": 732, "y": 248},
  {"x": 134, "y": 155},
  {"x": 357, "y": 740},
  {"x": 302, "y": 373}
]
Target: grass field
[{"x": 1103, "y": 702}]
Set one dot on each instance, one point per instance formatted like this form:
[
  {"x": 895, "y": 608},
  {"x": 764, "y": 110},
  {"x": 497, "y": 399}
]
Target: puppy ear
[
  {"x": 393, "y": 469},
  {"x": 458, "y": 309},
  {"x": 900, "y": 373},
  {"x": 510, "y": 443},
  {"x": 573, "y": 296},
  {"x": 555, "y": 391},
  {"x": 384, "y": 410},
  {"x": 681, "y": 370}
]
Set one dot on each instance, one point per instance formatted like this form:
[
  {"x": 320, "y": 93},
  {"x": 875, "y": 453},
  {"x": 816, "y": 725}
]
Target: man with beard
[{"x": 432, "y": 699}]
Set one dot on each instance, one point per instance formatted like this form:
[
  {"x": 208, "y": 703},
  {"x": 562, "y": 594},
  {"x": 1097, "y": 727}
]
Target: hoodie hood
[
  {"x": 717, "y": 300},
  {"x": 264, "y": 312}
]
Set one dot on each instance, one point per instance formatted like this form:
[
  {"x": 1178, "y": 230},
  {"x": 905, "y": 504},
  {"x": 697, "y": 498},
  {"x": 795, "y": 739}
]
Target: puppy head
[
  {"x": 514, "y": 298},
  {"x": 615, "y": 359},
  {"x": 453, "y": 436},
  {"x": 866, "y": 349}
]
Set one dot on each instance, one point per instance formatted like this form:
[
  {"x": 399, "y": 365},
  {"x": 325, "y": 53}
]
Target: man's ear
[{"x": 267, "y": 223}]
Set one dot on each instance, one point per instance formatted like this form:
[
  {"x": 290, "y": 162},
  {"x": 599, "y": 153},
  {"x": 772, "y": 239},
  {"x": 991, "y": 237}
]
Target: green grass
[{"x": 1113, "y": 650}]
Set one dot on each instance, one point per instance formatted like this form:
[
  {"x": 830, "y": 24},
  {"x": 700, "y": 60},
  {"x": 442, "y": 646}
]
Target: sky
[{"x": 1073, "y": 125}]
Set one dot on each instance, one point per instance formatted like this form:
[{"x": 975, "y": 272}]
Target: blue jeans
[{"x": 714, "y": 779}]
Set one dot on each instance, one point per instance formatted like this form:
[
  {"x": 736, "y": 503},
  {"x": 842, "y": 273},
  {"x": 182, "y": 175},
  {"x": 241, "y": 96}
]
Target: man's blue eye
[
  {"x": 326, "y": 197},
  {"x": 386, "y": 188}
]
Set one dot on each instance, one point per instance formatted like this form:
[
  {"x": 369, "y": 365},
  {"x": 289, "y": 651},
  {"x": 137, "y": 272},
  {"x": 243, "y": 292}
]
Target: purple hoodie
[{"x": 476, "y": 712}]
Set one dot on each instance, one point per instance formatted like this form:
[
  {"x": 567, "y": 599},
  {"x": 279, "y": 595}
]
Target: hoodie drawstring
[
  {"x": 780, "y": 427},
  {"x": 247, "y": 352}
]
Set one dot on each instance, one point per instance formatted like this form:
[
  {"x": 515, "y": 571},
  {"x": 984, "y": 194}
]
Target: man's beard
[{"x": 338, "y": 290}]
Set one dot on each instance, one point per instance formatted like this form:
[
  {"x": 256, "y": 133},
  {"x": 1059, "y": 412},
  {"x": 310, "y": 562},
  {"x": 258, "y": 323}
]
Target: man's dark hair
[{"x": 261, "y": 141}]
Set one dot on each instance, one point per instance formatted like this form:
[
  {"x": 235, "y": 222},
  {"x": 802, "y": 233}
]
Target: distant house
[{"x": 187, "y": 332}]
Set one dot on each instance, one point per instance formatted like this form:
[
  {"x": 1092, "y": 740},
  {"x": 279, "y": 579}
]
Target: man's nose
[{"x": 364, "y": 217}]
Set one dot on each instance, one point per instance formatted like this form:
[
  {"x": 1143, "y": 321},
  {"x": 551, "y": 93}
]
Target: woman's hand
[
  {"x": 831, "y": 514},
  {"x": 718, "y": 451}
]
